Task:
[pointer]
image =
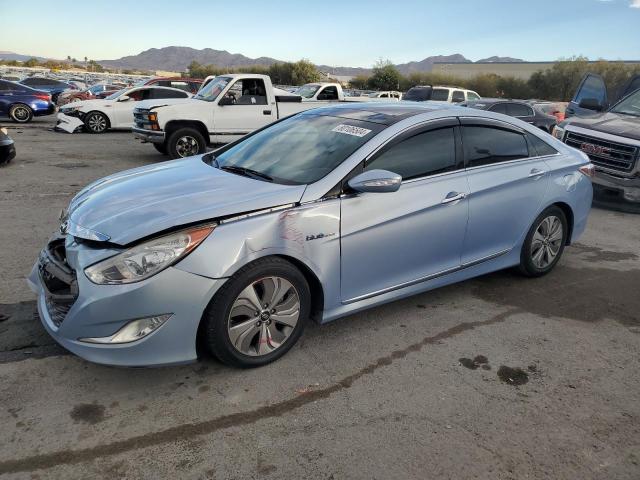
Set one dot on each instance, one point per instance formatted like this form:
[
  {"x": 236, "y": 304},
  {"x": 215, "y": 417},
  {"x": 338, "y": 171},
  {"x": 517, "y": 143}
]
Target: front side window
[
  {"x": 213, "y": 89},
  {"x": 519, "y": 110},
  {"x": 427, "y": 153},
  {"x": 307, "y": 91},
  {"x": 473, "y": 96},
  {"x": 248, "y": 91},
  {"x": 593, "y": 88},
  {"x": 301, "y": 149},
  {"x": 167, "y": 93},
  {"x": 440, "y": 94},
  {"x": 488, "y": 145},
  {"x": 329, "y": 93}
]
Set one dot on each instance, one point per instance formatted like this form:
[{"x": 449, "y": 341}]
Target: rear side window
[
  {"x": 473, "y": 96},
  {"x": 457, "y": 96},
  {"x": 540, "y": 147},
  {"x": 440, "y": 94},
  {"x": 519, "y": 110},
  {"x": 166, "y": 93},
  {"x": 427, "y": 153},
  {"x": 499, "y": 108},
  {"x": 488, "y": 145}
]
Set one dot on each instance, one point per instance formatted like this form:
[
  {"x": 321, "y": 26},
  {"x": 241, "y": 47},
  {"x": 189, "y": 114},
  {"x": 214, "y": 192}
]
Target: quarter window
[
  {"x": 457, "y": 96},
  {"x": 487, "y": 145},
  {"x": 541, "y": 147},
  {"x": 499, "y": 108},
  {"x": 166, "y": 93},
  {"x": 473, "y": 96},
  {"x": 423, "y": 154},
  {"x": 440, "y": 94}
]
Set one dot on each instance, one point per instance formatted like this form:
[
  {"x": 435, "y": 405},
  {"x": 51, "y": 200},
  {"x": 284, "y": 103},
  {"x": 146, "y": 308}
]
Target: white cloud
[{"x": 635, "y": 4}]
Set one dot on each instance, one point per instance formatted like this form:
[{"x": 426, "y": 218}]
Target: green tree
[
  {"x": 385, "y": 76},
  {"x": 360, "y": 82},
  {"x": 32, "y": 62},
  {"x": 303, "y": 71}
]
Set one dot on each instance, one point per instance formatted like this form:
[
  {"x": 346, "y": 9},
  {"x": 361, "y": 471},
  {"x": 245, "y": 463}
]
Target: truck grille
[
  {"x": 59, "y": 280},
  {"x": 611, "y": 155}
]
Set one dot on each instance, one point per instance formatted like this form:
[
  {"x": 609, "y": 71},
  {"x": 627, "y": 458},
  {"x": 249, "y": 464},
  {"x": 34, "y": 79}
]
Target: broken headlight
[{"x": 148, "y": 258}]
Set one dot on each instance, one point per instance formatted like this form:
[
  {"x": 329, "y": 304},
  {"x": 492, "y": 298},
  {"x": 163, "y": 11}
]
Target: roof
[
  {"x": 379, "y": 112},
  {"x": 495, "y": 100}
]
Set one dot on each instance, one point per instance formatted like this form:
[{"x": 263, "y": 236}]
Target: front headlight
[
  {"x": 558, "y": 132},
  {"x": 148, "y": 258}
]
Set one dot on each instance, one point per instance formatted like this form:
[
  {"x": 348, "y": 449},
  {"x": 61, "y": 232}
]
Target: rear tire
[
  {"x": 20, "y": 113},
  {"x": 161, "y": 147},
  {"x": 544, "y": 243},
  {"x": 96, "y": 122},
  {"x": 258, "y": 314},
  {"x": 186, "y": 142}
]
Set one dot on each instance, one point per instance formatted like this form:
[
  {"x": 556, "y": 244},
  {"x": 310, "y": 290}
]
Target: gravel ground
[{"x": 497, "y": 377}]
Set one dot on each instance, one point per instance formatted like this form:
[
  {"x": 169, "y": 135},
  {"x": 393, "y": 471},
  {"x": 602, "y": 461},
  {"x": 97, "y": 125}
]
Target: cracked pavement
[{"x": 380, "y": 394}]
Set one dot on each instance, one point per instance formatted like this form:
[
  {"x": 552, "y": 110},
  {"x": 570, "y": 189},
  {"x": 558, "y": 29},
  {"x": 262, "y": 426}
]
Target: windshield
[
  {"x": 212, "y": 90},
  {"x": 307, "y": 91},
  {"x": 418, "y": 94},
  {"x": 301, "y": 149},
  {"x": 629, "y": 105},
  {"x": 113, "y": 96},
  {"x": 96, "y": 89}
]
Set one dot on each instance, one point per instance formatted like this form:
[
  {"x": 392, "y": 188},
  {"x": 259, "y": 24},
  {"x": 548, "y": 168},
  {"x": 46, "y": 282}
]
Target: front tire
[
  {"x": 186, "y": 142},
  {"x": 258, "y": 314},
  {"x": 544, "y": 243},
  {"x": 20, "y": 113},
  {"x": 96, "y": 122}
]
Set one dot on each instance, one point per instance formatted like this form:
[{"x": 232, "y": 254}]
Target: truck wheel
[
  {"x": 186, "y": 142},
  {"x": 161, "y": 147},
  {"x": 20, "y": 113}
]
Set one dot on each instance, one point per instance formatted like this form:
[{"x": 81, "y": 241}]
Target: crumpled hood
[
  {"x": 137, "y": 203},
  {"x": 612, "y": 123}
]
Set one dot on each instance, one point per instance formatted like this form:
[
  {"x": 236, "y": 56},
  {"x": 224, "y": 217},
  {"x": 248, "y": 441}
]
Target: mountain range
[{"x": 179, "y": 58}]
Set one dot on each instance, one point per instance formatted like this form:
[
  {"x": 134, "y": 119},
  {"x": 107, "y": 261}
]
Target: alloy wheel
[
  {"x": 263, "y": 316},
  {"x": 21, "y": 114},
  {"x": 187, "y": 146},
  {"x": 97, "y": 123},
  {"x": 546, "y": 241}
]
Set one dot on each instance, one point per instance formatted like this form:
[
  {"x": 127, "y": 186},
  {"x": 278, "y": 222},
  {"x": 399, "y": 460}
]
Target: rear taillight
[
  {"x": 43, "y": 96},
  {"x": 589, "y": 169}
]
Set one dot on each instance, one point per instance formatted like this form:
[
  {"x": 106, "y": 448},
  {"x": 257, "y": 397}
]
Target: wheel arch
[
  {"x": 568, "y": 213},
  {"x": 174, "y": 125}
]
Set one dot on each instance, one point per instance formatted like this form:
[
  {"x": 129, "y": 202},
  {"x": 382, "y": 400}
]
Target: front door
[
  {"x": 507, "y": 186},
  {"x": 243, "y": 108},
  {"x": 390, "y": 240},
  {"x": 592, "y": 89}
]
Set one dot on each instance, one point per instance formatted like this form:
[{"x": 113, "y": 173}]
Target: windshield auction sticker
[{"x": 351, "y": 130}]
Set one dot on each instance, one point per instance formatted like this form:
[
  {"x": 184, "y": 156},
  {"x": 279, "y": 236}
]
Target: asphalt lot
[{"x": 498, "y": 377}]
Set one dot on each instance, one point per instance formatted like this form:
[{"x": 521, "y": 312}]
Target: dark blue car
[
  {"x": 49, "y": 85},
  {"x": 22, "y": 103}
]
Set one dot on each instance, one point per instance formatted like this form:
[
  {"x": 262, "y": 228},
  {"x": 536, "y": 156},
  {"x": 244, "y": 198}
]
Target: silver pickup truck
[{"x": 606, "y": 126}]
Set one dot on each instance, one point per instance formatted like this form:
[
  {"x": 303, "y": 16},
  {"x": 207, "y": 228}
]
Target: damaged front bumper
[
  {"x": 69, "y": 123},
  {"x": 614, "y": 190},
  {"x": 148, "y": 135},
  {"x": 73, "y": 309}
]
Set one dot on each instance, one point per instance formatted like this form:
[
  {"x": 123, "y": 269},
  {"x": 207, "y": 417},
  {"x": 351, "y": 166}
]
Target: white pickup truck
[{"x": 225, "y": 109}]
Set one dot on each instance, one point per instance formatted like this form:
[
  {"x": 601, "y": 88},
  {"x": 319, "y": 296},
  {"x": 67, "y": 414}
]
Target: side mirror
[
  {"x": 590, "y": 104},
  {"x": 124, "y": 98},
  {"x": 376, "y": 181},
  {"x": 225, "y": 101}
]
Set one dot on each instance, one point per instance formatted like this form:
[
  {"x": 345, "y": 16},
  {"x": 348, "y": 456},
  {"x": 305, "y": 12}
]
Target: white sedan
[{"x": 115, "y": 111}]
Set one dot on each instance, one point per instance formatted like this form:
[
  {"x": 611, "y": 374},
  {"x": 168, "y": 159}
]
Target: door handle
[
  {"x": 536, "y": 172},
  {"x": 453, "y": 197},
  {"x": 266, "y": 112}
]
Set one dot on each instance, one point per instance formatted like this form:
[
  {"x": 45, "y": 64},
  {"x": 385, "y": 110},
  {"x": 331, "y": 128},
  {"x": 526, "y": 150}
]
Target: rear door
[
  {"x": 390, "y": 240},
  {"x": 247, "y": 111},
  {"x": 507, "y": 184},
  {"x": 593, "y": 89},
  {"x": 521, "y": 111}
]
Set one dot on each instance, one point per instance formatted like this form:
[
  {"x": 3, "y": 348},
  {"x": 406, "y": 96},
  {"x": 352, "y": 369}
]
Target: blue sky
[{"x": 344, "y": 33}]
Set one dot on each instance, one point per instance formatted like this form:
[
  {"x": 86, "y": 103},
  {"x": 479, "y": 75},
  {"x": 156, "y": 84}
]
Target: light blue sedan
[{"x": 317, "y": 216}]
